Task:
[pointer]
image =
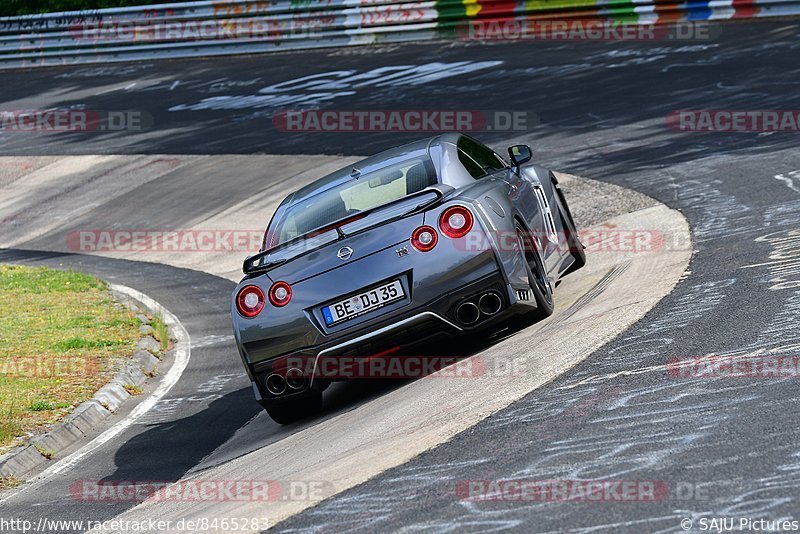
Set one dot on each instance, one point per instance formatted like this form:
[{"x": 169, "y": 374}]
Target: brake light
[
  {"x": 326, "y": 229},
  {"x": 250, "y": 301},
  {"x": 424, "y": 238},
  {"x": 280, "y": 294},
  {"x": 456, "y": 222}
]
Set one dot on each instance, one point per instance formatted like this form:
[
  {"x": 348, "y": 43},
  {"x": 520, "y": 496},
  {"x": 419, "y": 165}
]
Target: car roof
[{"x": 370, "y": 164}]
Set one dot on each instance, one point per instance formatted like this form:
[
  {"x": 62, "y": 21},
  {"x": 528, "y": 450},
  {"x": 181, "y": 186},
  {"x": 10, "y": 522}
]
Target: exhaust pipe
[
  {"x": 468, "y": 313},
  {"x": 275, "y": 384},
  {"x": 295, "y": 379},
  {"x": 490, "y": 303}
]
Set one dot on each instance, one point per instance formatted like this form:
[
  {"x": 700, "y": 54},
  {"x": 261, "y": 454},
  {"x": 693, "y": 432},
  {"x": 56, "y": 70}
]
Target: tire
[
  {"x": 289, "y": 412},
  {"x": 576, "y": 248},
  {"x": 540, "y": 285}
]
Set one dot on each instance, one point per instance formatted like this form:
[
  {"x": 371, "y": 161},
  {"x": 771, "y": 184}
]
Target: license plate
[{"x": 362, "y": 303}]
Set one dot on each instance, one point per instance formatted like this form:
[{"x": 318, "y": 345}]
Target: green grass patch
[
  {"x": 43, "y": 280},
  {"x": 9, "y": 430},
  {"x": 41, "y": 406},
  {"x": 77, "y": 343},
  {"x": 62, "y": 337},
  {"x": 160, "y": 331}
]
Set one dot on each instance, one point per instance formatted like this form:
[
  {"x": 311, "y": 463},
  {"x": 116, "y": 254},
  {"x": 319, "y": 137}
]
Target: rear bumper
[
  {"x": 300, "y": 325},
  {"x": 414, "y": 328}
]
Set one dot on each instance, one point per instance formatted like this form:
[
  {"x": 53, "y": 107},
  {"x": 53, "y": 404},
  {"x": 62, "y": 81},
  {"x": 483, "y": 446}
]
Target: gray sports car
[{"x": 434, "y": 238}]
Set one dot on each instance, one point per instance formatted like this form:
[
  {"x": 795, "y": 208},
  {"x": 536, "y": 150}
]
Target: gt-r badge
[
  {"x": 345, "y": 253},
  {"x": 402, "y": 251}
]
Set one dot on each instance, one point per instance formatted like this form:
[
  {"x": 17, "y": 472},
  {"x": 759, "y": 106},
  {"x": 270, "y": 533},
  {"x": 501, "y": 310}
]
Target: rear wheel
[
  {"x": 291, "y": 411},
  {"x": 537, "y": 277},
  {"x": 576, "y": 248}
]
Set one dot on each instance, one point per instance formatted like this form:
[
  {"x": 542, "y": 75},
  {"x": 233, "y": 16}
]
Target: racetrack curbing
[{"x": 86, "y": 417}]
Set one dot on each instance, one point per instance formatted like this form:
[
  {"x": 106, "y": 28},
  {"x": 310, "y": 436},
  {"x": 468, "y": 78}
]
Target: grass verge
[
  {"x": 160, "y": 331},
  {"x": 9, "y": 482},
  {"x": 62, "y": 337}
]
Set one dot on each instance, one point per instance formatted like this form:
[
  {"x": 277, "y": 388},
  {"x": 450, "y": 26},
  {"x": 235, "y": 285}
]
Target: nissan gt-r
[{"x": 441, "y": 237}]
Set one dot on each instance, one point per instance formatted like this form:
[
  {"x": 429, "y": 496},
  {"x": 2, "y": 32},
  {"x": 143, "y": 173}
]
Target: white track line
[{"x": 182, "y": 354}]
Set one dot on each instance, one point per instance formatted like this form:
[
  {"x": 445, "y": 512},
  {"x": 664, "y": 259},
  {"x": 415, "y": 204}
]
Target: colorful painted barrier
[{"x": 197, "y": 29}]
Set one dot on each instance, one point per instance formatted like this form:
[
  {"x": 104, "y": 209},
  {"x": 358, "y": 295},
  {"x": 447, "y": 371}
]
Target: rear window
[{"x": 364, "y": 193}]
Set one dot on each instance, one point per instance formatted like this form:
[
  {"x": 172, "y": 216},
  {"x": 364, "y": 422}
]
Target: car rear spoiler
[{"x": 254, "y": 264}]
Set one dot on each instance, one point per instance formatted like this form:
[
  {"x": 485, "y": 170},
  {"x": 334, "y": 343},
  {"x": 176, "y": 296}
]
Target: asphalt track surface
[{"x": 724, "y": 447}]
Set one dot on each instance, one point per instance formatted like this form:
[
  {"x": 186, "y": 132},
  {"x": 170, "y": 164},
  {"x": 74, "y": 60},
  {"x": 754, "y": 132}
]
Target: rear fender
[{"x": 494, "y": 228}]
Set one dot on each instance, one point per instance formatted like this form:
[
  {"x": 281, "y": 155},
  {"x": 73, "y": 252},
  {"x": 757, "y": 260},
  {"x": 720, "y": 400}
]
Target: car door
[
  {"x": 525, "y": 192},
  {"x": 547, "y": 237}
]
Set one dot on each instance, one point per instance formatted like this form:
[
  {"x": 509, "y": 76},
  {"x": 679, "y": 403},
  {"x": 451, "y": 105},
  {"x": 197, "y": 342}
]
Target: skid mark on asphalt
[
  {"x": 600, "y": 415},
  {"x": 651, "y": 338},
  {"x": 105, "y": 71},
  {"x": 166, "y": 410},
  {"x": 209, "y": 341},
  {"x": 721, "y": 214},
  {"x": 782, "y": 268},
  {"x": 316, "y": 89},
  {"x": 596, "y": 291},
  {"x": 791, "y": 179}
]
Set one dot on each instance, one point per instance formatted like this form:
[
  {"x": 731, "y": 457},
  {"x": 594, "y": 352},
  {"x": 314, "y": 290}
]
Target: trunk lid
[{"x": 345, "y": 242}]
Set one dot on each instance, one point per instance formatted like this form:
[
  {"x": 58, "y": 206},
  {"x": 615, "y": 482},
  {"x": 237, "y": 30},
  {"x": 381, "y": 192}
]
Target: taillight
[
  {"x": 250, "y": 301},
  {"x": 280, "y": 294},
  {"x": 456, "y": 222},
  {"x": 424, "y": 238}
]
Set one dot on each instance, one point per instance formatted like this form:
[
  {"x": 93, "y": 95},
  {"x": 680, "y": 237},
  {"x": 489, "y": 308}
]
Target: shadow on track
[{"x": 207, "y": 429}]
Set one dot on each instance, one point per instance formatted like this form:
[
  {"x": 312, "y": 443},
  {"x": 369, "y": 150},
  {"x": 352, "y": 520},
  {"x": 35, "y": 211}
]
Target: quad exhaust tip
[
  {"x": 490, "y": 303},
  {"x": 276, "y": 384},
  {"x": 295, "y": 379},
  {"x": 468, "y": 313}
]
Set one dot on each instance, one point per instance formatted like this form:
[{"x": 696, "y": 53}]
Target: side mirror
[{"x": 519, "y": 154}]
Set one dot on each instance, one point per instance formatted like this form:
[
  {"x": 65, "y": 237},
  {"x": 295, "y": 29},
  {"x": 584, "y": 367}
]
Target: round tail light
[
  {"x": 250, "y": 301},
  {"x": 280, "y": 294},
  {"x": 456, "y": 222},
  {"x": 424, "y": 238}
]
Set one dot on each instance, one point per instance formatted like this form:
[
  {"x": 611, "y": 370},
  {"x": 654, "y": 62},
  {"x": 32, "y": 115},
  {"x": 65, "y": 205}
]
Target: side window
[
  {"x": 481, "y": 157},
  {"x": 474, "y": 170}
]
